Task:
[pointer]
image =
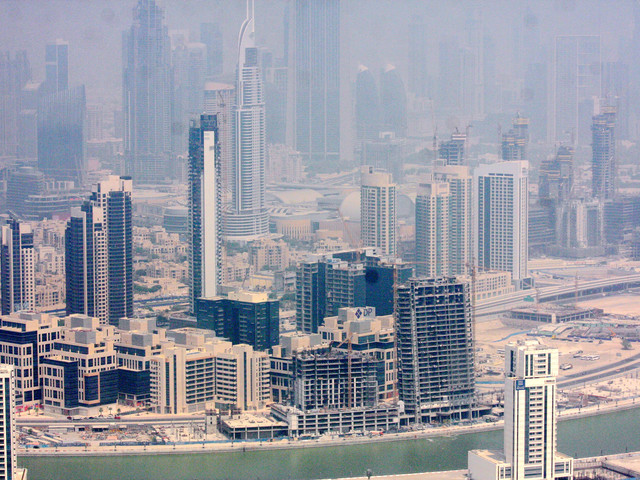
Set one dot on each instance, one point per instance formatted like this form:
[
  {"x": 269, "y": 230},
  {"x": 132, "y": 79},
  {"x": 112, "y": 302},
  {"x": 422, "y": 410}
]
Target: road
[{"x": 549, "y": 294}]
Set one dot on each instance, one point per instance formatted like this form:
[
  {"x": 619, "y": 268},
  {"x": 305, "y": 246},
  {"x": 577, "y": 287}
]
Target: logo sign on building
[
  {"x": 520, "y": 385},
  {"x": 365, "y": 312}
]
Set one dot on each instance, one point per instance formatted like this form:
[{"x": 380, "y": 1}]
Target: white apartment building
[
  {"x": 8, "y": 459},
  {"x": 432, "y": 229},
  {"x": 530, "y": 434},
  {"x": 501, "y": 220},
  {"x": 460, "y": 183},
  {"x": 378, "y": 216}
]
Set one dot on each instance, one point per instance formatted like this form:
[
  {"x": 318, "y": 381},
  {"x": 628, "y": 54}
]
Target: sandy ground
[{"x": 628, "y": 304}]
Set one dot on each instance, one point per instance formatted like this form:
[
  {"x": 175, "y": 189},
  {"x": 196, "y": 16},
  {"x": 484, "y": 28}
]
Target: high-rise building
[
  {"x": 535, "y": 99},
  {"x": 432, "y": 229},
  {"x": 17, "y": 280},
  {"x": 14, "y": 74},
  {"x": 317, "y": 81},
  {"x": 244, "y": 317},
  {"x": 378, "y": 215},
  {"x": 555, "y": 180},
  {"x": 28, "y": 120},
  {"x": 56, "y": 67},
  {"x": 514, "y": 142},
  {"x": 452, "y": 151},
  {"x": 8, "y": 434},
  {"x": 189, "y": 67},
  {"x": 62, "y": 134},
  {"x": 86, "y": 262},
  {"x": 530, "y": 430},
  {"x": 22, "y": 182},
  {"x": 435, "y": 348},
  {"x": 205, "y": 210},
  {"x": 146, "y": 99},
  {"x": 450, "y": 77},
  {"x": 393, "y": 102},
  {"x": 248, "y": 217},
  {"x": 276, "y": 104},
  {"x": 500, "y": 224},
  {"x": 460, "y": 208},
  {"x": 114, "y": 196},
  {"x": 367, "y": 105},
  {"x": 325, "y": 285},
  {"x": 418, "y": 71},
  {"x": 603, "y": 164},
  {"x": 211, "y": 36},
  {"x": 99, "y": 253},
  {"x": 219, "y": 100},
  {"x": 578, "y": 75},
  {"x": 616, "y": 92}
]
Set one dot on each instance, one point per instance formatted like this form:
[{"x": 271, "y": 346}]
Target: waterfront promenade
[{"x": 95, "y": 449}]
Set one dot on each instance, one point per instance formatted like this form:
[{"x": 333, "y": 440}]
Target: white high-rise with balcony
[
  {"x": 460, "y": 193},
  {"x": 501, "y": 220},
  {"x": 248, "y": 218},
  {"x": 378, "y": 198},
  {"x": 432, "y": 229},
  {"x": 530, "y": 434}
]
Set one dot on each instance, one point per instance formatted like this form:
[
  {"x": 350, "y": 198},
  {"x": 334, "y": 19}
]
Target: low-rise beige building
[{"x": 198, "y": 371}]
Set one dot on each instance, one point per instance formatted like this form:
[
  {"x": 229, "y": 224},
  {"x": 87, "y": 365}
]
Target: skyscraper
[
  {"x": 535, "y": 99},
  {"x": 189, "y": 68},
  {"x": 56, "y": 67},
  {"x": 578, "y": 76},
  {"x": 432, "y": 229},
  {"x": 418, "y": 79},
  {"x": 114, "y": 196},
  {"x": 248, "y": 217},
  {"x": 514, "y": 142},
  {"x": 378, "y": 215},
  {"x": 8, "y": 459},
  {"x": 460, "y": 209},
  {"x": 99, "y": 253},
  {"x": 219, "y": 100},
  {"x": 435, "y": 348},
  {"x": 14, "y": 74},
  {"x": 452, "y": 151},
  {"x": 393, "y": 102},
  {"x": 211, "y": 36},
  {"x": 500, "y": 226},
  {"x": 86, "y": 262},
  {"x": 17, "y": 281},
  {"x": 555, "y": 180},
  {"x": 603, "y": 164},
  {"x": 62, "y": 134},
  {"x": 205, "y": 212},
  {"x": 530, "y": 431},
  {"x": 367, "y": 105},
  {"x": 146, "y": 94},
  {"x": 317, "y": 80}
]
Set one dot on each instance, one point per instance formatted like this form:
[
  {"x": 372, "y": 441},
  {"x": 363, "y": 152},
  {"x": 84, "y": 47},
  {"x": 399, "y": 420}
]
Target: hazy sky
[{"x": 374, "y": 32}]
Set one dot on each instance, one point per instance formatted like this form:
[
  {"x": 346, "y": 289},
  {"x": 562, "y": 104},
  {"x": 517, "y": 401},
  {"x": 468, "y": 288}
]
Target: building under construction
[
  {"x": 335, "y": 380},
  {"x": 436, "y": 379}
]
